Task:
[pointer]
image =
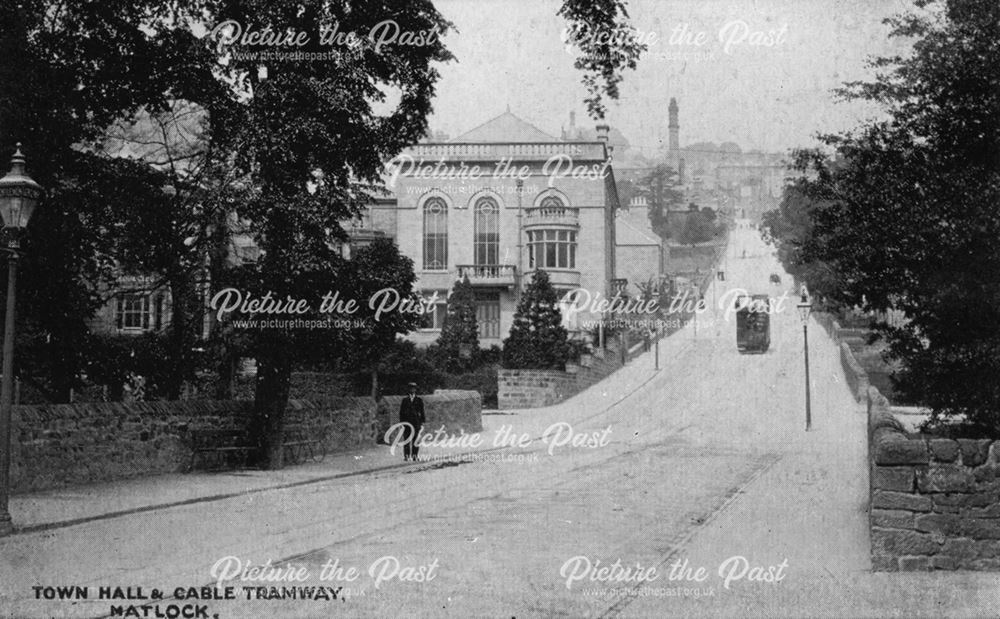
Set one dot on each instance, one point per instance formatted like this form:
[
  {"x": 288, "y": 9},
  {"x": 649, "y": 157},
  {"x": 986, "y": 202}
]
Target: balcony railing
[
  {"x": 518, "y": 151},
  {"x": 564, "y": 215},
  {"x": 488, "y": 274}
]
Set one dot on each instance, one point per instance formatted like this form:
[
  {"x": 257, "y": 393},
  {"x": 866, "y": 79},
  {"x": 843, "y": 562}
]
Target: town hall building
[{"x": 495, "y": 205}]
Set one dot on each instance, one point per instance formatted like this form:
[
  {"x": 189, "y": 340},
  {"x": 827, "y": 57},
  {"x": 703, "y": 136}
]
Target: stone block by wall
[
  {"x": 935, "y": 502},
  {"x": 453, "y": 409}
]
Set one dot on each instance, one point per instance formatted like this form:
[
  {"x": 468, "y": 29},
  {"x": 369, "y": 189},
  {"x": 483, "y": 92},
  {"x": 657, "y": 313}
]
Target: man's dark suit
[{"x": 411, "y": 411}]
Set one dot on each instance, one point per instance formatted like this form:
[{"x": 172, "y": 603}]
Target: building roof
[{"x": 505, "y": 128}]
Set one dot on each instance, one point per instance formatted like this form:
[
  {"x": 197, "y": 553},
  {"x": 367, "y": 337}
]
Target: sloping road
[{"x": 704, "y": 460}]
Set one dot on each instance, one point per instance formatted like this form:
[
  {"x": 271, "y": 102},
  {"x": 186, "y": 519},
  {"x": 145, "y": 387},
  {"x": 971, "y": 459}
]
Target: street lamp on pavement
[
  {"x": 805, "y": 307},
  {"x": 18, "y": 196}
]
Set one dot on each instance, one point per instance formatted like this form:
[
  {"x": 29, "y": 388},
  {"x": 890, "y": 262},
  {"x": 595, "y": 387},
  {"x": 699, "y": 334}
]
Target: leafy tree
[
  {"x": 601, "y": 32},
  {"x": 303, "y": 139},
  {"x": 699, "y": 226},
  {"x": 189, "y": 189},
  {"x": 627, "y": 189},
  {"x": 459, "y": 328},
  {"x": 789, "y": 228},
  {"x": 657, "y": 188},
  {"x": 76, "y": 69},
  {"x": 906, "y": 216},
  {"x": 537, "y": 338},
  {"x": 112, "y": 358},
  {"x": 309, "y": 139},
  {"x": 378, "y": 271}
]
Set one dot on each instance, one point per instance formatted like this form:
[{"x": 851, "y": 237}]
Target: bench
[
  {"x": 305, "y": 442},
  {"x": 226, "y": 448},
  {"x": 231, "y": 448}
]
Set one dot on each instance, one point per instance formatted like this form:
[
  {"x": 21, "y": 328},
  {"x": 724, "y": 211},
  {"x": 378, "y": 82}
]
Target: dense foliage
[
  {"x": 906, "y": 215},
  {"x": 607, "y": 45},
  {"x": 153, "y": 138}
]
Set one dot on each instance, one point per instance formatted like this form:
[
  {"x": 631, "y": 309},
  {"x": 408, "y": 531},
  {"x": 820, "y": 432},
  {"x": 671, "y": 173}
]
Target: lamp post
[
  {"x": 805, "y": 307},
  {"x": 18, "y": 196}
]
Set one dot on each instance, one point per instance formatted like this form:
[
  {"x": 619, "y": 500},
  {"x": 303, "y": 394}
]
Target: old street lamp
[
  {"x": 19, "y": 195},
  {"x": 805, "y": 308}
]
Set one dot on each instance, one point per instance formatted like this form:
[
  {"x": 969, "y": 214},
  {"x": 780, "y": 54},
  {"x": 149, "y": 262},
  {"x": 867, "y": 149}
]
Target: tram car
[{"x": 753, "y": 324}]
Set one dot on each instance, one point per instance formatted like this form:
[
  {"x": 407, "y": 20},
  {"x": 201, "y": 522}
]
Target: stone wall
[
  {"x": 533, "y": 388},
  {"x": 67, "y": 444},
  {"x": 935, "y": 502},
  {"x": 449, "y": 408},
  {"x": 864, "y": 364},
  {"x": 856, "y": 376},
  {"x": 536, "y": 388},
  {"x": 855, "y": 373}
]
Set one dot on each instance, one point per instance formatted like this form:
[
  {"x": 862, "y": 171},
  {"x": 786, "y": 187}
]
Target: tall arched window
[
  {"x": 435, "y": 235},
  {"x": 486, "y": 242}
]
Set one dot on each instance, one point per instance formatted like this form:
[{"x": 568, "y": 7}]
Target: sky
[{"x": 771, "y": 98}]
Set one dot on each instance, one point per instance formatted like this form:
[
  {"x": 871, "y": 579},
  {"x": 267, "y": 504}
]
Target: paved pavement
[{"x": 704, "y": 461}]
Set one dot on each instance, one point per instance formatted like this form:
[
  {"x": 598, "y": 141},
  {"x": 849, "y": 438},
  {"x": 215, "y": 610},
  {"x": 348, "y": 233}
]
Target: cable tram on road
[{"x": 753, "y": 323}]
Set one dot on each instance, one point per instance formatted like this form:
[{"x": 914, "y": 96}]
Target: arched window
[
  {"x": 435, "y": 235},
  {"x": 486, "y": 242}
]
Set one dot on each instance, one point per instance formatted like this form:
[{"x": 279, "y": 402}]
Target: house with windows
[
  {"x": 139, "y": 304},
  {"x": 497, "y": 204}
]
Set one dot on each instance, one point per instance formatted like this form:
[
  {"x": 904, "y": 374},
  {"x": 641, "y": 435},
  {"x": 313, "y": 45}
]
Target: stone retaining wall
[
  {"x": 856, "y": 376},
  {"x": 536, "y": 388},
  {"x": 67, "y": 444},
  {"x": 533, "y": 388},
  {"x": 935, "y": 503}
]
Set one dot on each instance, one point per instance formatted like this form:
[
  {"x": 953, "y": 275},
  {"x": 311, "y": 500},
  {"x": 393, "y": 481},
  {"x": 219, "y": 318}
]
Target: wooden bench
[
  {"x": 303, "y": 441},
  {"x": 225, "y": 448},
  {"x": 231, "y": 448}
]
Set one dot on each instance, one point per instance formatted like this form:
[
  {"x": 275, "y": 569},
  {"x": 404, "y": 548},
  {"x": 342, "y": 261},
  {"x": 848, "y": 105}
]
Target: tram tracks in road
[
  {"x": 623, "y": 600},
  {"x": 417, "y": 505}
]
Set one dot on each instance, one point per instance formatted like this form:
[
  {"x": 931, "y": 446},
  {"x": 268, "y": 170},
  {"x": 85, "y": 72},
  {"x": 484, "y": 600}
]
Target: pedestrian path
[
  {"x": 76, "y": 504},
  {"x": 805, "y": 519}
]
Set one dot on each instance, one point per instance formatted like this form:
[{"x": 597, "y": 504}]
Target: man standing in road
[{"x": 411, "y": 411}]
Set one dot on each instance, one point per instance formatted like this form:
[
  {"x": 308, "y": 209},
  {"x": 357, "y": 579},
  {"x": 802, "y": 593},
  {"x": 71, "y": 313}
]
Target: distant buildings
[
  {"x": 502, "y": 201},
  {"x": 743, "y": 184}
]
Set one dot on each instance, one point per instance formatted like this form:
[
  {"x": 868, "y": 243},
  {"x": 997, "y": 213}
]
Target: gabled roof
[{"x": 505, "y": 128}]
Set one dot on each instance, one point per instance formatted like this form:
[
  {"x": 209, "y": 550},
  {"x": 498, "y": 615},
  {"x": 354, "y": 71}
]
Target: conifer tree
[
  {"x": 459, "y": 328},
  {"x": 537, "y": 338}
]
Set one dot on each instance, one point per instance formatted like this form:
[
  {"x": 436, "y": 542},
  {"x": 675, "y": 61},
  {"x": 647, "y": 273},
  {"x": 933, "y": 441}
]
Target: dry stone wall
[
  {"x": 535, "y": 388},
  {"x": 935, "y": 502},
  {"x": 68, "y": 444}
]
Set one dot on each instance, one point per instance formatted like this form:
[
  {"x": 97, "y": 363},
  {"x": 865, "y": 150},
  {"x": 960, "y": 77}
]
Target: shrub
[
  {"x": 483, "y": 380},
  {"x": 537, "y": 340},
  {"x": 460, "y": 328}
]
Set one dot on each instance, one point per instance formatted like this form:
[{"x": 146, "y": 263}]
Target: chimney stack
[{"x": 602, "y": 132}]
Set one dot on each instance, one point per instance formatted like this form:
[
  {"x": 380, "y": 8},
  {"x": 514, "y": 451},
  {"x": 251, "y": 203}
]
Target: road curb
[
  {"x": 201, "y": 499},
  {"x": 48, "y": 526}
]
